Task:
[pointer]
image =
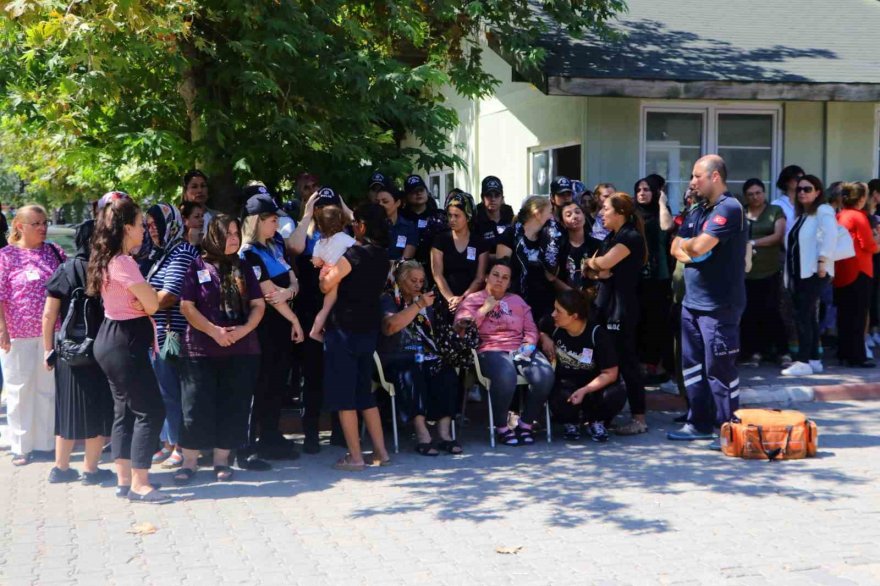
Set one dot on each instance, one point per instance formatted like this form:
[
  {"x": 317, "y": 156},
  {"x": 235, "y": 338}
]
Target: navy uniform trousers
[{"x": 710, "y": 346}]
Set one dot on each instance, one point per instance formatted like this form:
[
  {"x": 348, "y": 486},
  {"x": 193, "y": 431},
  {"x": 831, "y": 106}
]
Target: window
[
  {"x": 746, "y": 138},
  {"x": 439, "y": 184},
  {"x": 547, "y": 163}
]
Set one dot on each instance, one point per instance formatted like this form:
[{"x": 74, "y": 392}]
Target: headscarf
[
  {"x": 461, "y": 200},
  {"x": 83, "y": 239},
  {"x": 169, "y": 223}
]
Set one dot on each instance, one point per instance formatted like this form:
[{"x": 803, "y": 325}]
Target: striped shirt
[{"x": 169, "y": 277}]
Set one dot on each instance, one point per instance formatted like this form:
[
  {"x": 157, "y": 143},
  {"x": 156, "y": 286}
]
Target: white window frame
[
  {"x": 444, "y": 189},
  {"x": 876, "y": 162},
  {"x": 710, "y": 112},
  {"x": 550, "y": 170}
]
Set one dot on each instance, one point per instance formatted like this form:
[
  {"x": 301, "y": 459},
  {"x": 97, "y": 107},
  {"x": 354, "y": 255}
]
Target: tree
[{"x": 130, "y": 94}]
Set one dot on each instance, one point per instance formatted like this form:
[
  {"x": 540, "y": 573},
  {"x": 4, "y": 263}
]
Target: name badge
[
  {"x": 586, "y": 356},
  {"x": 500, "y": 229},
  {"x": 401, "y": 242},
  {"x": 471, "y": 253},
  {"x": 423, "y": 224},
  {"x": 32, "y": 275},
  {"x": 204, "y": 276},
  {"x": 258, "y": 272}
]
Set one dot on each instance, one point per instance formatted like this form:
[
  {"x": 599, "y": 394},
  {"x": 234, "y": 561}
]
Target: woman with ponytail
[
  {"x": 123, "y": 344},
  {"x": 586, "y": 390},
  {"x": 624, "y": 253}
]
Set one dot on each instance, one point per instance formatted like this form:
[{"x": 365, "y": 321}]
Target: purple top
[
  {"x": 201, "y": 285},
  {"x": 23, "y": 276}
]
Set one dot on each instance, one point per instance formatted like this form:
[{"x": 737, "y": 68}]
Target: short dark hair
[
  {"x": 874, "y": 186},
  {"x": 787, "y": 174},
  {"x": 375, "y": 222},
  {"x": 499, "y": 262},
  {"x": 820, "y": 199},
  {"x": 575, "y": 302},
  {"x": 751, "y": 183},
  {"x": 187, "y": 207}
]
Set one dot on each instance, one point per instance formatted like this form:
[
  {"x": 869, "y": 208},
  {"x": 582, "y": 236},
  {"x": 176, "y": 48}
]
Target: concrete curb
[{"x": 781, "y": 395}]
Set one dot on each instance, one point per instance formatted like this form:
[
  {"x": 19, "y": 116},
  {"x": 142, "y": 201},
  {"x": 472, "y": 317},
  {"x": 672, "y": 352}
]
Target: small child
[{"x": 330, "y": 222}]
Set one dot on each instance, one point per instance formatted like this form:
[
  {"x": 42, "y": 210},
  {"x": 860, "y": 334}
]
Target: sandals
[
  {"x": 525, "y": 435},
  {"x": 174, "y": 460},
  {"x": 154, "y": 497},
  {"x": 21, "y": 459},
  {"x": 507, "y": 437},
  {"x": 161, "y": 455},
  {"x": 346, "y": 465},
  {"x": 426, "y": 449},
  {"x": 223, "y": 473},
  {"x": 184, "y": 476},
  {"x": 450, "y": 447},
  {"x": 634, "y": 427}
]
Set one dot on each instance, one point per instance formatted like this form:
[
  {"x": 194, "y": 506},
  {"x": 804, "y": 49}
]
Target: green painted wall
[
  {"x": 850, "y": 141},
  {"x": 803, "y": 136},
  {"x": 612, "y": 142}
]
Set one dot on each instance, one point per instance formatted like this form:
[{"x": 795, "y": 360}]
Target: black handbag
[{"x": 74, "y": 343}]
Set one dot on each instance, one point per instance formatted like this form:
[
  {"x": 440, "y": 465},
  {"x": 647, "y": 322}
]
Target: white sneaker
[
  {"x": 869, "y": 341},
  {"x": 670, "y": 387},
  {"x": 816, "y": 366},
  {"x": 868, "y": 353},
  {"x": 798, "y": 369}
]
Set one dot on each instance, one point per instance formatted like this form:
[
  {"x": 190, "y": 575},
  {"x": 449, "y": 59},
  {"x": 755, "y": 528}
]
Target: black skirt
[{"x": 83, "y": 403}]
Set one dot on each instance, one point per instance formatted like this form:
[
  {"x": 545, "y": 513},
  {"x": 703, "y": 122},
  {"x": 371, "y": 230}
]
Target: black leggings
[
  {"x": 630, "y": 370},
  {"x": 762, "y": 329},
  {"x": 271, "y": 388},
  {"x": 122, "y": 350},
  {"x": 654, "y": 334},
  {"x": 852, "y": 302},
  {"x": 309, "y": 358},
  {"x": 215, "y": 398},
  {"x": 601, "y": 405},
  {"x": 805, "y": 296}
]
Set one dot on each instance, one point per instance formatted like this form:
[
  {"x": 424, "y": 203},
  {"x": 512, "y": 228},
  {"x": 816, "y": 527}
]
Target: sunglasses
[{"x": 805, "y": 189}]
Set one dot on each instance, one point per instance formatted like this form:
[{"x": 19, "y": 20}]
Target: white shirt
[
  {"x": 330, "y": 250},
  {"x": 788, "y": 209}
]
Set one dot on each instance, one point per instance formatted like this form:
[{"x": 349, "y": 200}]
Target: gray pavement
[{"x": 636, "y": 510}]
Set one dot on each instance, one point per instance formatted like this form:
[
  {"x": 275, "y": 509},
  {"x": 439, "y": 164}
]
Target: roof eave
[{"x": 711, "y": 90}]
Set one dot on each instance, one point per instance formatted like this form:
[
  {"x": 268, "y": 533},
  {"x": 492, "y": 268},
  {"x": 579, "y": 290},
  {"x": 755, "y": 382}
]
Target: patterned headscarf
[
  {"x": 461, "y": 200},
  {"x": 169, "y": 223}
]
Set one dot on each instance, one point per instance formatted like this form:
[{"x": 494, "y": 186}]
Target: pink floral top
[{"x": 23, "y": 276}]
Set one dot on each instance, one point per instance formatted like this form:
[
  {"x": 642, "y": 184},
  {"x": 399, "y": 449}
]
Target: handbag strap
[{"x": 774, "y": 453}]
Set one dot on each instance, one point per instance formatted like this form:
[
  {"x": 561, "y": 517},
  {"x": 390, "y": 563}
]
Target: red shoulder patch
[{"x": 720, "y": 220}]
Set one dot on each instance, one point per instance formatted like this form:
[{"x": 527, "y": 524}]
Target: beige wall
[{"x": 850, "y": 141}]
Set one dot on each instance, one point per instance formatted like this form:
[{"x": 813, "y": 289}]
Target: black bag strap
[
  {"x": 76, "y": 275},
  {"x": 774, "y": 453},
  {"x": 55, "y": 252}
]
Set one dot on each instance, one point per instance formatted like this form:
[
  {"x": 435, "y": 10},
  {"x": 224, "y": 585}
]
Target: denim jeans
[
  {"x": 169, "y": 385},
  {"x": 499, "y": 368}
]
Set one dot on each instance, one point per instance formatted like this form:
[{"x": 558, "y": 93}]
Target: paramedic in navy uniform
[{"x": 712, "y": 244}]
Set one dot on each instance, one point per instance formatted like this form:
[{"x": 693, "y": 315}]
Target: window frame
[
  {"x": 541, "y": 148},
  {"x": 711, "y": 112},
  {"x": 444, "y": 189},
  {"x": 876, "y": 162}
]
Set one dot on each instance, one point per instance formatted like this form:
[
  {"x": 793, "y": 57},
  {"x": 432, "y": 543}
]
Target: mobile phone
[{"x": 52, "y": 358}]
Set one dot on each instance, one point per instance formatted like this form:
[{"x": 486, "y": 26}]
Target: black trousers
[
  {"x": 309, "y": 363},
  {"x": 762, "y": 329},
  {"x": 601, "y": 405},
  {"x": 275, "y": 361},
  {"x": 805, "y": 297},
  {"x": 853, "y": 304},
  {"x": 654, "y": 334},
  {"x": 630, "y": 370},
  {"x": 215, "y": 398},
  {"x": 420, "y": 392},
  {"x": 122, "y": 351}
]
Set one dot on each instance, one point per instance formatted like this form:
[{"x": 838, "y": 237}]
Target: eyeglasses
[
  {"x": 38, "y": 224},
  {"x": 805, "y": 189}
]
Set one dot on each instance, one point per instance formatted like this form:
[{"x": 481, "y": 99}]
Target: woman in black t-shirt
[
  {"x": 534, "y": 243},
  {"x": 458, "y": 257},
  {"x": 624, "y": 253},
  {"x": 351, "y": 334},
  {"x": 586, "y": 388},
  {"x": 579, "y": 246}
]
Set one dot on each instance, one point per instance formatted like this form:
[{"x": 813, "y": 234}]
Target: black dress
[{"x": 83, "y": 402}]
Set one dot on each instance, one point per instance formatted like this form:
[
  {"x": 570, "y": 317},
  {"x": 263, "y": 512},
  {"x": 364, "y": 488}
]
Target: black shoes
[{"x": 59, "y": 476}]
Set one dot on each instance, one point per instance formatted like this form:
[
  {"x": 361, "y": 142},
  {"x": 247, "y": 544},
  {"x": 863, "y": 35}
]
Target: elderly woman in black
[
  {"x": 83, "y": 403},
  {"x": 220, "y": 359},
  {"x": 410, "y": 355},
  {"x": 351, "y": 334}
]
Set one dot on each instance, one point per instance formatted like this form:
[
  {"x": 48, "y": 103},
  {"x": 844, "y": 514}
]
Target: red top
[{"x": 846, "y": 271}]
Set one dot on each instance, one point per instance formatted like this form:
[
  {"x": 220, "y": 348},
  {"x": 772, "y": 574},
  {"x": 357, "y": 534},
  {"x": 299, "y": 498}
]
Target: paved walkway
[{"x": 634, "y": 511}]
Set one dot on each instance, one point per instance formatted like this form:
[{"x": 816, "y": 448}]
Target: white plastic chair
[
  {"x": 389, "y": 388},
  {"x": 485, "y": 382}
]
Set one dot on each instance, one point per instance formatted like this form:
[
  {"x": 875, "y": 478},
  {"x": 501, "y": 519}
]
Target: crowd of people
[{"x": 178, "y": 332}]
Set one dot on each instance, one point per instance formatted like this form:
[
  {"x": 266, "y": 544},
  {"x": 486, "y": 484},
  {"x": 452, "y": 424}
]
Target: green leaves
[{"x": 129, "y": 94}]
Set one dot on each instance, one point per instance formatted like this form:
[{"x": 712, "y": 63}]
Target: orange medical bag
[{"x": 769, "y": 434}]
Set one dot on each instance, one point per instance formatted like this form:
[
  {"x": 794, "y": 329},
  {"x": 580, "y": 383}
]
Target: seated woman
[
  {"x": 586, "y": 390},
  {"x": 507, "y": 346},
  {"x": 410, "y": 357}
]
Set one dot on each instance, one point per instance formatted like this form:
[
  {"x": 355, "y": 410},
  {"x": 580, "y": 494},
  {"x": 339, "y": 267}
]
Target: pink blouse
[
  {"x": 23, "y": 276},
  {"x": 122, "y": 273},
  {"x": 504, "y": 329}
]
